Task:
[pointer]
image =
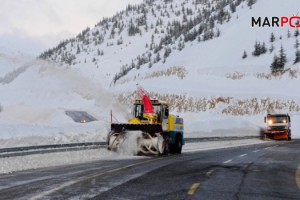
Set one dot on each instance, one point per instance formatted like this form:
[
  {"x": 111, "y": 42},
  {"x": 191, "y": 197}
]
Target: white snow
[
  {"x": 12, "y": 164},
  {"x": 35, "y": 95}
]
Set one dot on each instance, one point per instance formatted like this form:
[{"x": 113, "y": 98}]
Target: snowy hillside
[{"x": 188, "y": 53}]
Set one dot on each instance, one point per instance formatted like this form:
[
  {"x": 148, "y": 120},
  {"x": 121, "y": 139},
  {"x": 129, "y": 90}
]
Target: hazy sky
[{"x": 33, "y": 25}]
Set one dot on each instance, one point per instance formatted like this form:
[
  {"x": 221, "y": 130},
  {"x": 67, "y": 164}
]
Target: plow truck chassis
[
  {"x": 161, "y": 132},
  {"x": 278, "y": 126}
]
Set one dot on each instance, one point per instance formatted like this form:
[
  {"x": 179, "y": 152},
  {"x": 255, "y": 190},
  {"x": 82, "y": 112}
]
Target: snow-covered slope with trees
[{"x": 199, "y": 55}]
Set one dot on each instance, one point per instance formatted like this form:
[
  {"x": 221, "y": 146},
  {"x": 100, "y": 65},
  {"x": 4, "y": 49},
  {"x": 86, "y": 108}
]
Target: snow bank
[
  {"x": 34, "y": 107},
  {"x": 13, "y": 164}
]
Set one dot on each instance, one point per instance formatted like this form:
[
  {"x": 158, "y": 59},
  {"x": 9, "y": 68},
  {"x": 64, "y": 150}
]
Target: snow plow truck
[
  {"x": 278, "y": 126},
  {"x": 160, "y": 132}
]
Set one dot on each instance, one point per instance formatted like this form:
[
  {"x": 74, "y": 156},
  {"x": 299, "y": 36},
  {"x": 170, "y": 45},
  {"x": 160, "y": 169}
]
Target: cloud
[
  {"x": 37, "y": 17},
  {"x": 49, "y": 21}
]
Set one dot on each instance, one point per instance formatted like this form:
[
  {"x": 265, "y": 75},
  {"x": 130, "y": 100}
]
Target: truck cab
[
  {"x": 278, "y": 126},
  {"x": 161, "y": 110}
]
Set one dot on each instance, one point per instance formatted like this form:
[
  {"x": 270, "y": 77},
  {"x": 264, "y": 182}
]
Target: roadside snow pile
[
  {"x": 34, "y": 107},
  {"x": 19, "y": 135},
  {"x": 21, "y": 163}
]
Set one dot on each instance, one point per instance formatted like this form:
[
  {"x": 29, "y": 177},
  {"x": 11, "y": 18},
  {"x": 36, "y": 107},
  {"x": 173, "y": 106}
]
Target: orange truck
[{"x": 278, "y": 126}]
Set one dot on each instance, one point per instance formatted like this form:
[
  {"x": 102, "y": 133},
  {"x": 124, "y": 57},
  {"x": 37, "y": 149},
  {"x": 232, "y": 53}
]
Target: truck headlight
[{"x": 270, "y": 121}]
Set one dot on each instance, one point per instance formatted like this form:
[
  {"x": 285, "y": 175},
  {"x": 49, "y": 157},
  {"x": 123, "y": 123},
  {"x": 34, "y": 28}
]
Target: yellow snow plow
[{"x": 160, "y": 132}]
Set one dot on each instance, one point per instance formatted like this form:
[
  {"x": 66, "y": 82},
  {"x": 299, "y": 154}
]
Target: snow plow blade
[
  {"x": 148, "y": 142},
  {"x": 149, "y": 128}
]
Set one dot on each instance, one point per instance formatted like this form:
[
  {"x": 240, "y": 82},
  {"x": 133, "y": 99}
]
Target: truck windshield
[
  {"x": 138, "y": 110},
  {"x": 157, "y": 109},
  {"x": 277, "y": 119}
]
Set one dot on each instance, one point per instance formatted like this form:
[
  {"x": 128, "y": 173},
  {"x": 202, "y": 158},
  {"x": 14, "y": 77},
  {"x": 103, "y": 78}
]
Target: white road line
[
  {"x": 227, "y": 161},
  {"x": 242, "y": 155},
  {"x": 256, "y": 151},
  {"x": 85, "y": 178}
]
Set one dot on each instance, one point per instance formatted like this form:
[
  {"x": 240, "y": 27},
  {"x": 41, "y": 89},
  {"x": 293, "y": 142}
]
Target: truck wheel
[
  {"x": 289, "y": 136},
  {"x": 178, "y": 144},
  {"x": 166, "y": 150},
  {"x": 165, "y": 146}
]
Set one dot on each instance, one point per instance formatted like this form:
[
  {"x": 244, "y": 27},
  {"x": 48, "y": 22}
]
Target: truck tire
[
  {"x": 176, "y": 147},
  {"x": 289, "y": 135},
  {"x": 178, "y": 144},
  {"x": 166, "y": 146},
  {"x": 166, "y": 150}
]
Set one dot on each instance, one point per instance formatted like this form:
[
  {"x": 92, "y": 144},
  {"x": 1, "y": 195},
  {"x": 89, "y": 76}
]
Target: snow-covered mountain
[{"x": 195, "y": 54}]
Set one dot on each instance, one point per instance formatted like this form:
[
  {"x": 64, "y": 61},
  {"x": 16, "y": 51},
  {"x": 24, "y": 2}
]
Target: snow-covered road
[{"x": 13, "y": 164}]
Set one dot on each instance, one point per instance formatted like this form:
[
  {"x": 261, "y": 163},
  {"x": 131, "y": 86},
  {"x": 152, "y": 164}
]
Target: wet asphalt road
[{"x": 264, "y": 171}]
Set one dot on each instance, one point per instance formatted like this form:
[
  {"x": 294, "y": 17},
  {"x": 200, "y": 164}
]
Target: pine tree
[
  {"x": 272, "y": 37},
  {"x": 167, "y": 52},
  {"x": 78, "y": 49},
  {"x": 244, "y": 55},
  {"x": 289, "y": 33},
  {"x": 132, "y": 30},
  {"x": 132, "y": 64},
  {"x": 257, "y": 49},
  {"x": 282, "y": 57},
  {"x": 157, "y": 59},
  {"x": 271, "y": 48},
  {"x": 180, "y": 46},
  {"x": 275, "y": 64},
  {"x": 263, "y": 48},
  {"x": 232, "y": 7},
  {"x": 218, "y": 33},
  {"x": 297, "y": 56},
  {"x": 296, "y": 34},
  {"x": 296, "y": 44},
  {"x": 251, "y": 2}
]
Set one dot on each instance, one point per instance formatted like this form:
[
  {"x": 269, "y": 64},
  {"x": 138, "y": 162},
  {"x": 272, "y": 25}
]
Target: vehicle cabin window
[
  {"x": 157, "y": 109},
  {"x": 278, "y": 119},
  {"x": 138, "y": 111},
  {"x": 165, "y": 110}
]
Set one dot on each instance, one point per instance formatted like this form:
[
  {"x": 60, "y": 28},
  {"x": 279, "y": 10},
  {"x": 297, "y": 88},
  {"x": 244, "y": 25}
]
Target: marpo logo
[{"x": 293, "y": 21}]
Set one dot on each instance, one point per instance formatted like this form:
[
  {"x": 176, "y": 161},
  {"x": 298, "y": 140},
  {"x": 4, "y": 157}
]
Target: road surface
[{"x": 263, "y": 171}]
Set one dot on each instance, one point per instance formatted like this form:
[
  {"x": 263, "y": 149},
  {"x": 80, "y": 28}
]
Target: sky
[{"x": 32, "y": 26}]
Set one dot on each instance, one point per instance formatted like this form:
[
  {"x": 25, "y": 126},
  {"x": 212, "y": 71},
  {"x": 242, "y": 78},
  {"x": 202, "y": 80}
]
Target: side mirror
[
  {"x": 289, "y": 118},
  {"x": 265, "y": 119}
]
